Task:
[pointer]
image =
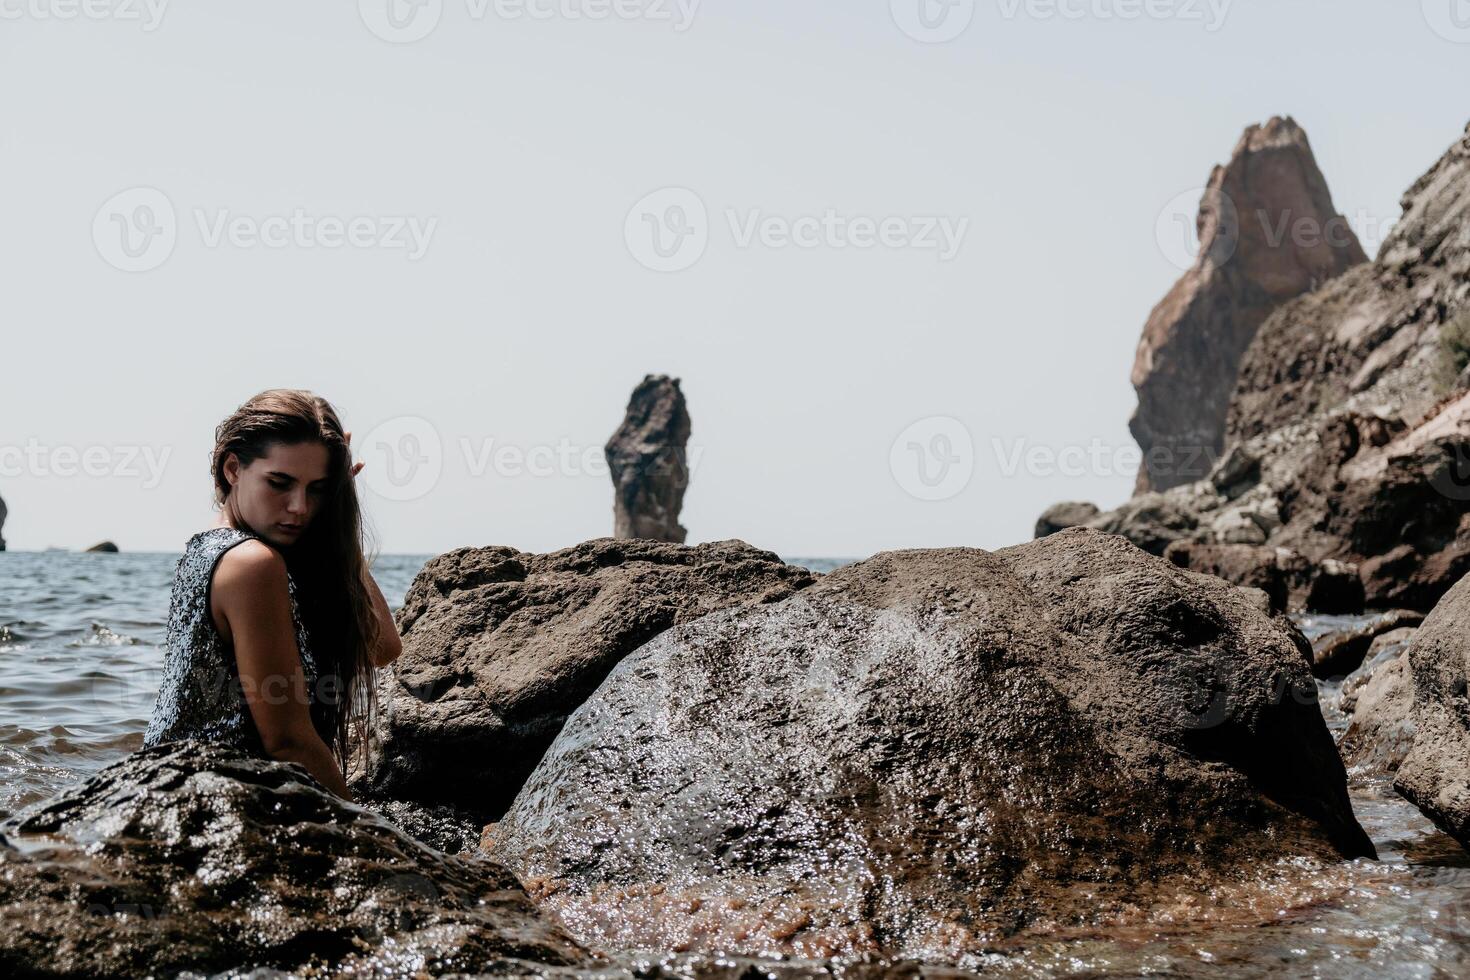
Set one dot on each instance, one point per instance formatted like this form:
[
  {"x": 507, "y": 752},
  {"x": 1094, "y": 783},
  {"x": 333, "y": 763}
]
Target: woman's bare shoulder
[{"x": 251, "y": 568}]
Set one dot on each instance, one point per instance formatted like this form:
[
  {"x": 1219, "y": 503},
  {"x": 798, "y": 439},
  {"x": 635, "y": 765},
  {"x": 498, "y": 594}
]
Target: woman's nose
[{"x": 297, "y": 502}]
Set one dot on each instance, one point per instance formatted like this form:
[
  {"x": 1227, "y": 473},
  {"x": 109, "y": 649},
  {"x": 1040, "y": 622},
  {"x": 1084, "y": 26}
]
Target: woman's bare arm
[
  {"x": 390, "y": 645},
  {"x": 251, "y": 591}
]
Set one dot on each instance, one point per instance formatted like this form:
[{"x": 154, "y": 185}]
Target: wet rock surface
[
  {"x": 1248, "y": 265},
  {"x": 929, "y": 752},
  {"x": 1382, "y": 728},
  {"x": 1435, "y": 775},
  {"x": 200, "y": 857},
  {"x": 647, "y": 459},
  {"x": 1340, "y": 653},
  {"x": 500, "y": 646}
]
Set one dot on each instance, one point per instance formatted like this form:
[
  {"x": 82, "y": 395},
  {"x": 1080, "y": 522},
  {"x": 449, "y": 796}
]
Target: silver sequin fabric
[{"x": 200, "y": 695}]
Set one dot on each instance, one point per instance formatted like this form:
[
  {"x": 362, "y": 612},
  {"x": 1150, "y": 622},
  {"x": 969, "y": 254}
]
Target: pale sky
[{"x": 441, "y": 234}]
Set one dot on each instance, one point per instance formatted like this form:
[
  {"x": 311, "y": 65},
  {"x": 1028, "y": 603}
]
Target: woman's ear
[{"x": 232, "y": 468}]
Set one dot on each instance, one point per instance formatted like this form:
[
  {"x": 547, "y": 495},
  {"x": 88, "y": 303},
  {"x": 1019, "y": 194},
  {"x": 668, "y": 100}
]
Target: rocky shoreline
[{"x": 640, "y": 758}]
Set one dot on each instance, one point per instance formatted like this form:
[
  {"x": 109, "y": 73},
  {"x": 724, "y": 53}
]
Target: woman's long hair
[{"x": 327, "y": 563}]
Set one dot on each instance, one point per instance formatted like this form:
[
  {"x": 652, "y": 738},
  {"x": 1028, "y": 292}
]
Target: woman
[{"x": 275, "y": 623}]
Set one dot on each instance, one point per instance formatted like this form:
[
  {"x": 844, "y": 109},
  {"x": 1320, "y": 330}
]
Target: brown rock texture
[
  {"x": 196, "y": 857},
  {"x": 1435, "y": 775},
  {"x": 1348, "y": 434},
  {"x": 499, "y": 646},
  {"x": 1059, "y": 517},
  {"x": 1340, "y": 653},
  {"x": 932, "y": 751},
  {"x": 1268, "y": 232},
  {"x": 647, "y": 457}
]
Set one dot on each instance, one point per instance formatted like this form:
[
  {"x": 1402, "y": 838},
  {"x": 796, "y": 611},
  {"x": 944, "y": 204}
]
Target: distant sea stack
[
  {"x": 647, "y": 459},
  {"x": 3, "y": 512},
  {"x": 1268, "y": 232},
  {"x": 104, "y": 547}
]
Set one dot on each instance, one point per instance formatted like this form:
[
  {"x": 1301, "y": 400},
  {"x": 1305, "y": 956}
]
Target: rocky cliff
[
  {"x": 1347, "y": 437},
  {"x": 1268, "y": 232}
]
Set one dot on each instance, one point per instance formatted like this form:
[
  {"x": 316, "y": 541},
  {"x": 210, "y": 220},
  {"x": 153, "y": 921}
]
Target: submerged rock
[
  {"x": 1435, "y": 775},
  {"x": 193, "y": 856},
  {"x": 1341, "y": 653},
  {"x": 499, "y": 646},
  {"x": 932, "y": 750},
  {"x": 1268, "y": 232},
  {"x": 647, "y": 458}
]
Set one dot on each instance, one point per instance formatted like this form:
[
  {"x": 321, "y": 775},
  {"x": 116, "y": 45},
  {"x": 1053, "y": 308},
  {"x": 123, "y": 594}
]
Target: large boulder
[
  {"x": 197, "y": 857},
  {"x": 4, "y": 511},
  {"x": 499, "y": 646},
  {"x": 647, "y": 459},
  {"x": 931, "y": 750},
  {"x": 1435, "y": 775},
  {"x": 1348, "y": 432},
  {"x": 1382, "y": 728},
  {"x": 1268, "y": 232}
]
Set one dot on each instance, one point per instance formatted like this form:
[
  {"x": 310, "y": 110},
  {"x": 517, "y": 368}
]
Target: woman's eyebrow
[{"x": 288, "y": 476}]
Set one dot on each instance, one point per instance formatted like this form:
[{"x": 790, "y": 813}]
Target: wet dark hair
[{"x": 327, "y": 562}]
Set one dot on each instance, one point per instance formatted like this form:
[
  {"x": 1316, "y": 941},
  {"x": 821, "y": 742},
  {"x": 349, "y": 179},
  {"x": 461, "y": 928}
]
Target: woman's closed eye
[{"x": 313, "y": 489}]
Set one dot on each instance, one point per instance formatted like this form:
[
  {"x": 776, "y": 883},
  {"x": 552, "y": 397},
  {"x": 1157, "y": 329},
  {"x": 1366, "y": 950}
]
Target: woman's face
[{"x": 280, "y": 494}]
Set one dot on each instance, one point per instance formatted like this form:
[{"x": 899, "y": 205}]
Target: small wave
[{"x": 102, "y": 636}]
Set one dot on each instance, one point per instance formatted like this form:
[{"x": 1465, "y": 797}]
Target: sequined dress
[{"x": 200, "y": 696}]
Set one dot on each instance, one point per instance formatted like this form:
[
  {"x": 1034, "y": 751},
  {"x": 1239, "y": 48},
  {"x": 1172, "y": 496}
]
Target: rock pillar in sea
[
  {"x": 1268, "y": 232},
  {"x": 647, "y": 459},
  {"x": 3, "y": 512}
]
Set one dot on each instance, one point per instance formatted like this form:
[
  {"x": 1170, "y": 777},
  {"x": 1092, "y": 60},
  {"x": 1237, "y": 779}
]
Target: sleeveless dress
[{"x": 200, "y": 696}]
